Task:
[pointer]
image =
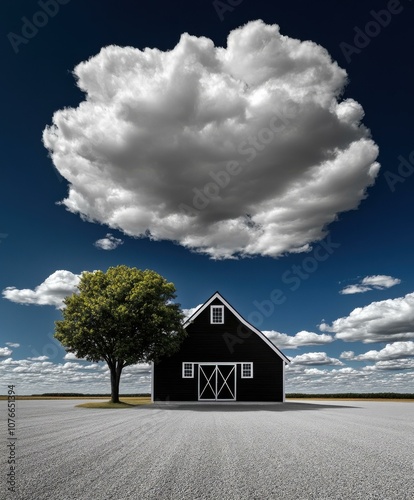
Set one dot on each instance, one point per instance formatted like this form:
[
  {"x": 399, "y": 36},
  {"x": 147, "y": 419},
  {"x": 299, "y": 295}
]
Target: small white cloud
[
  {"x": 73, "y": 366},
  {"x": 395, "y": 364},
  {"x": 381, "y": 281},
  {"x": 395, "y": 350},
  {"x": 39, "y": 358},
  {"x": 138, "y": 369},
  {"x": 315, "y": 358},
  {"x": 5, "y": 351},
  {"x": 51, "y": 292},
  {"x": 346, "y": 371},
  {"x": 351, "y": 289},
  {"x": 384, "y": 321},
  {"x": 13, "y": 344},
  {"x": 376, "y": 282},
  {"x": 109, "y": 242},
  {"x": 94, "y": 366},
  {"x": 303, "y": 338},
  {"x": 314, "y": 371},
  {"x": 71, "y": 356},
  {"x": 347, "y": 355},
  {"x": 242, "y": 150}
]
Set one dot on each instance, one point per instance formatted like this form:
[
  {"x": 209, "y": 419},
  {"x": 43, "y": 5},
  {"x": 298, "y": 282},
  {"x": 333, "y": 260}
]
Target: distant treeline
[
  {"x": 81, "y": 394},
  {"x": 373, "y": 395}
]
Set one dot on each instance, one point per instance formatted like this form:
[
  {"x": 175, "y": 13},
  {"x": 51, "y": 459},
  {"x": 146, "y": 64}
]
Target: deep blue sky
[{"x": 39, "y": 237}]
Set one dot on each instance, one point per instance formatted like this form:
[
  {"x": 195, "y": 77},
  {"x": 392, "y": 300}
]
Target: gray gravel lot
[{"x": 297, "y": 450}]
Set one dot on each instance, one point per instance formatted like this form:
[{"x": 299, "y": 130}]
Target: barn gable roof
[{"x": 260, "y": 334}]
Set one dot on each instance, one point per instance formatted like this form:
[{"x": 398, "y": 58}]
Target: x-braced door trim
[{"x": 217, "y": 382}]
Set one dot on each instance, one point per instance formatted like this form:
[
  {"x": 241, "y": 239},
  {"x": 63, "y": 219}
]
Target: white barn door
[{"x": 217, "y": 382}]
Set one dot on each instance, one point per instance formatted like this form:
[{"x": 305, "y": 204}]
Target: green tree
[{"x": 123, "y": 316}]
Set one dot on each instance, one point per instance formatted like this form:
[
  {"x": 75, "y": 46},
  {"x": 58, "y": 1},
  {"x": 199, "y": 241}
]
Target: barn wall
[{"x": 230, "y": 342}]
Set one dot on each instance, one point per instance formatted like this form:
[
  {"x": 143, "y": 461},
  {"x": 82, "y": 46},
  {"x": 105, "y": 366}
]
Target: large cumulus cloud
[
  {"x": 243, "y": 150},
  {"x": 384, "y": 321}
]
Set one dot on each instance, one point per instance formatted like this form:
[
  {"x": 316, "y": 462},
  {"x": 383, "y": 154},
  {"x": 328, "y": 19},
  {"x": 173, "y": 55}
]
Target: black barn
[{"x": 223, "y": 358}]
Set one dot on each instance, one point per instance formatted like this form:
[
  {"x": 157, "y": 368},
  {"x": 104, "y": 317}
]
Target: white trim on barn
[{"x": 152, "y": 381}]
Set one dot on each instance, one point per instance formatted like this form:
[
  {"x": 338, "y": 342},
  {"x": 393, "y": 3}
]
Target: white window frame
[
  {"x": 222, "y": 315},
  {"x": 185, "y": 365},
  {"x": 242, "y": 370}
]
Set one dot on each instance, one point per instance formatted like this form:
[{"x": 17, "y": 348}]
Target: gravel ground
[{"x": 297, "y": 450}]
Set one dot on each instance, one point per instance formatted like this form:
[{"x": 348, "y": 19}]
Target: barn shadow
[{"x": 241, "y": 407}]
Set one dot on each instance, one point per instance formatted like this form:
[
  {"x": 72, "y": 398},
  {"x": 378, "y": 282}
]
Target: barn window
[
  {"x": 217, "y": 314},
  {"x": 247, "y": 370},
  {"x": 188, "y": 370}
]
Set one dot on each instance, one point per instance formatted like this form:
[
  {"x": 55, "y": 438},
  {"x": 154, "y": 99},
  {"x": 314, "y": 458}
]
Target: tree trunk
[{"x": 115, "y": 370}]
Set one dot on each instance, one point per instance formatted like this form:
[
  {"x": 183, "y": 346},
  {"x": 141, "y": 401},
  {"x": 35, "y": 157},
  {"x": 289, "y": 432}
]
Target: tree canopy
[{"x": 122, "y": 316}]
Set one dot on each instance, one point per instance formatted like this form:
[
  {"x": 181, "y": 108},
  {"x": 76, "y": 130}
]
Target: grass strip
[{"x": 124, "y": 403}]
